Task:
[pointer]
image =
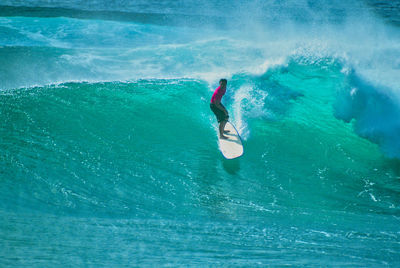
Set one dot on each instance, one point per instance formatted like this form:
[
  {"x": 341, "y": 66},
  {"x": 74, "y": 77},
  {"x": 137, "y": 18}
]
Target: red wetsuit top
[{"x": 218, "y": 93}]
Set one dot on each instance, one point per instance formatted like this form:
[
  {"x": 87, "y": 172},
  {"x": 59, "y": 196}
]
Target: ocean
[{"x": 109, "y": 152}]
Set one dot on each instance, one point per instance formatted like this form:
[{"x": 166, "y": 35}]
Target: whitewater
[{"x": 109, "y": 152}]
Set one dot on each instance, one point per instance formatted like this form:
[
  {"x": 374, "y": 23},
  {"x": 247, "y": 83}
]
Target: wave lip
[{"x": 374, "y": 111}]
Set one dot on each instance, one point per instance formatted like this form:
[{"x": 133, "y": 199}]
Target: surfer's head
[{"x": 223, "y": 82}]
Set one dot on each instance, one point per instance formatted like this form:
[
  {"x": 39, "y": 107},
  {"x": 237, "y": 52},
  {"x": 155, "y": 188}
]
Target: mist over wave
[{"x": 251, "y": 35}]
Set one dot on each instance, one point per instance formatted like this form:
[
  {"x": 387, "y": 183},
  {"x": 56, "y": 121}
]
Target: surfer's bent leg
[
  {"x": 221, "y": 129},
  {"x": 225, "y": 117},
  {"x": 222, "y": 119}
]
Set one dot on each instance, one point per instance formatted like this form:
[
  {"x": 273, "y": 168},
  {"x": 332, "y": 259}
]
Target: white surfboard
[{"x": 231, "y": 147}]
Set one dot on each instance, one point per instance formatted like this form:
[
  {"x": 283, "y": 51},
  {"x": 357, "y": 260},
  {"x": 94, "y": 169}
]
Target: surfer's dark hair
[{"x": 223, "y": 80}]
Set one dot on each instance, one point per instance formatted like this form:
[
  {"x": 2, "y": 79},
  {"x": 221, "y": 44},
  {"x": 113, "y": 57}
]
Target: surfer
[{"x": 218, "y": 109}]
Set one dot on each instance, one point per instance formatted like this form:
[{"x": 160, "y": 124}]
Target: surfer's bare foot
[{"x": 223, "y": 137}]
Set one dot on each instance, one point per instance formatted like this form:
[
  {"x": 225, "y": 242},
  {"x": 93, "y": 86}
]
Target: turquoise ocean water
[{"x": 109, "y": 153}]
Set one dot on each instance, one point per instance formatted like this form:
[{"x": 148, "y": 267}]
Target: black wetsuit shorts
[{"x": 220, "y": 114}]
